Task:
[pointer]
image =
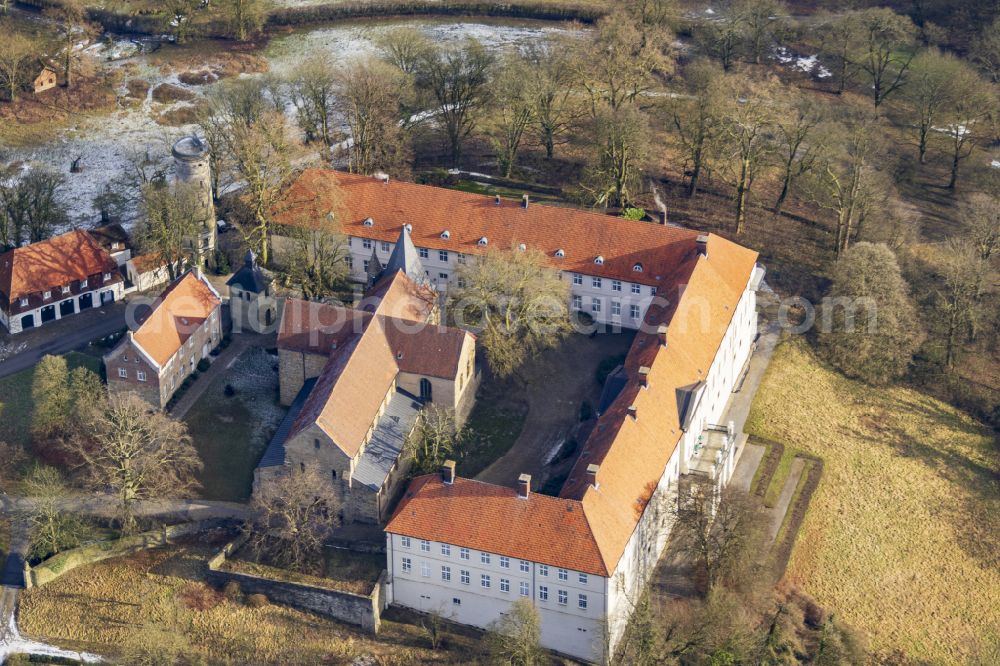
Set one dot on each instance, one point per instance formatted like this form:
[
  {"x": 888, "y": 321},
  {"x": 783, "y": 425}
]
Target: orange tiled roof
[
  {"x": 179, "y": 311},
  {"x": 53, "y": 263},
  {"x": 148, "y": 262},
  {"x": 493, "y": 518},
  {"x": 632, "y": 453},
  {"x": 399, "y": 296},
  {"x": 582, "y": 235}
]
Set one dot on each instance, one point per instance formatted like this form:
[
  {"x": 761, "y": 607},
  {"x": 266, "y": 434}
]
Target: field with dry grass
[
  {"x": 900, "y": 536},
  {"x": 158, "y": 603}
]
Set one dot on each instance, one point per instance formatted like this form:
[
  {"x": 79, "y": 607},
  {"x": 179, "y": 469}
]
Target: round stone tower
[{"x": 192, "y": 167}]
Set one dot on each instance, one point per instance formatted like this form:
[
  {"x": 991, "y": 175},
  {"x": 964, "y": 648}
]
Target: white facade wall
[
  {"x": 421, "y": 585},
  {"x": 13, "y": 323},
  {"x": 600, "y": 297}
]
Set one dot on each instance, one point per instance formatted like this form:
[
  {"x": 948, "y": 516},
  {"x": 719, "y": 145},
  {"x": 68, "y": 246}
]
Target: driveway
[
  {"x": 59, "y": 337},
  {"x": 557, "y": 382}
]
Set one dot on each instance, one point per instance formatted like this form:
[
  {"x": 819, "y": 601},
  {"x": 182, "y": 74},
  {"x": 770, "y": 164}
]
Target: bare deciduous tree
[
  {"x": 53, "y": 529},
  {"x": 516, "y": 301},
  {"x": 621, "y": 142},
  {"x": 292, "y": 516},
  {"x": 370, "y": 98},
  {"x": 246, "y": 18},
  {"x": 886, "y": 50},
  {"x": 435, "y": 438},
  {"x": 971, "y": 102},
  {"x": 405, "y": 48},
  {"x": 30, "y": 207},
  {"x": 515, "y": 639},
  {"x": 172, "y": 218},
  {"x": 316, "y": 264},
  {"x": 16, "y": 55},
  {"x": 549, "y": 74},
  {"x": 695, "y": 117},
  {"x": 457, "y": 79},
  {"x": 981, "y": 215},
  {"x": 760, "y": 21},
  {"x": 929, "y": 91},
  {"x": 514, "y": 112},
  {"x": 137, "y": 452},
  {"x": 957, "y": 295},
  {"x": 313, "y": 84}
]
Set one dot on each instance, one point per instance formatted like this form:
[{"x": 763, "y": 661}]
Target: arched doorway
[{"x": 425, "y": 390}]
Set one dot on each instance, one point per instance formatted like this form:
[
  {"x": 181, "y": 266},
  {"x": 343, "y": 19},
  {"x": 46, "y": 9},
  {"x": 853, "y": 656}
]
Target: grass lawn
[
  {"x": 231, "y": 432},
  {"x": 157, "y": 603},
  {"x": 15, "y": 399},
  {"x": 341, "y": 570},
  {"x": 900, "y": 537},
  {"x": 494, "y": 425}
]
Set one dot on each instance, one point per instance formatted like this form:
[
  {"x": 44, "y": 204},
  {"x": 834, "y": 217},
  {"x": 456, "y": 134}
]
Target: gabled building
[
  {"x": 183, "y": 327},
  {"x": 56, "y": 278},
  {"x": 356, "y": 379},
  {"x": 252, "y": 305}
]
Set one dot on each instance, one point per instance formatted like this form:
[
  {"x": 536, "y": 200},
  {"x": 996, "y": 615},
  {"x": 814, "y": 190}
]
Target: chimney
[
  {"x": 448, "y": 472},
  {"x": 701, "y": 243},
  {"x": 524, "y": 485},
  {"x": 592, "y": 470},
  {"x": 524, "y": 201},
  {"x": 661, "y": 333},
  {"x": 633, "y": 411},
  {"x": 644, "y": 376},
  {"x": 497, "y": 200}
]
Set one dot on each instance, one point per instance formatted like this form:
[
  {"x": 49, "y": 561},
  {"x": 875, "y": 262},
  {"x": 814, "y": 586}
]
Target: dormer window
[
  {"x": 65, "y": 290},
  {"x": 522, "y": 247},
  {"x": 107, "y": 276},
  {"x": 369, "y": 222},
  {"x": 24, "y": 302},
  {"x": 47, "y": 295},
  {"x": 599, "y": 260},
  {"x": 408, "y": 227},
  {"x": 560, "y": 253},
  {"x": 83, "y": 284},
  {"x": 637, "y": 268},
  {"x": 446, "y": 234},
  {"x": 483, "y": 241}
]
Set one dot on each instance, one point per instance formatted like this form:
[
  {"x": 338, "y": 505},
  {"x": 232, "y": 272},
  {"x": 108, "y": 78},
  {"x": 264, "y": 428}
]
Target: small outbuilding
[
  {"x": 46, "y": 80},
  {"x": 251, "y": 303}
]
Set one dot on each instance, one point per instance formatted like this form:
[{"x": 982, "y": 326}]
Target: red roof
[
  {"x": 51, "y": 264},
  {"x": 582, "y": 235},
  {"x": 177, "y": 314}
]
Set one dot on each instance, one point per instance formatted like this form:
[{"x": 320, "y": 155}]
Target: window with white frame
[
  {"x": 463, "y": 553},
  {"x": 407, "y": 565},
  {"x": 460, "y": 258},
  {"x": 616, "y": 285},
  {"x": 446, "y": 550},
  {"x": 563, "y": 574},
  {"x": 83, "y": 284},
  {"x": 633, "y": 311},
  {"x": 484, "y": 558},
  {"x": 443, "y": 276},
  {"x": 504, "y": 562},
  {"x": 107, "y": 276},
  {"x": 425, "y": 570},
  {"x": 484, "y": 580},
  {"x": 122, "y": 372},
  {"x": 425, "y": 545},
  {"x": 446, "y": 574},
  {"x": 525, "y": 567},
  {"x": 583, "y": 579},
  {"x": 385, "y": 246},
  {"x": 423, "y": 252},
  {"x": 140, "y": 375},
  {"x": 616, "y": 308},
  {"x": 577, "y": 278},
  {"x": 443, "y": 255},
  {"x": 543, "y": 593},
  {"x": 581, "y": 601},
  {"x": 65, "y": 289},
  {"x": 364, "y": 266},
  {"x": 463, "y": 577},
  {"x": 47, "y": 295},
  {"x": 652, "y": 291},
  {"x": 524, "y": 588},
  {"x": 366, "y": 243},
  {"x": 543, "y": 570},
  {"x": 504, "y": 585},
  {"x": 349, "y": 260},
  {"x": 595, "y": 304},
  {"x": 578, "y": 302},
  {"x": 24, "y": 302},
  {"x": 563, "y": 597},
  {"x": 404, "y": 541},
  {"x": 595, "y": 282}
]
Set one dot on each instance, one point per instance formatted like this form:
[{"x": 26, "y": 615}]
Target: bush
[
  {"x": 231, "y": 590},
  {"x": 257, "y": 600},
  {"x": 634, "y": 214},
  {"x": 203, "y": 365}
]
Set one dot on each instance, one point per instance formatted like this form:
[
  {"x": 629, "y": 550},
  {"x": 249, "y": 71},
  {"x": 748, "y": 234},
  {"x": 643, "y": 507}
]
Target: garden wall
[
  {"x": 57, "y": 565},
  {"x": 356, "y": 609}
]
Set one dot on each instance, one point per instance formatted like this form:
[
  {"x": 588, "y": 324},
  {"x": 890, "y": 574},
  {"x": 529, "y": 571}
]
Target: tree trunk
[
  {"x": 550, "y": 146},
  {"x": 741, "y": 198},
  {"x": 922, "y": 145},
  {"x": 695, "y": 174},
  {"x": 784, "y": 190},
  {"x": 953, "y": 181}
]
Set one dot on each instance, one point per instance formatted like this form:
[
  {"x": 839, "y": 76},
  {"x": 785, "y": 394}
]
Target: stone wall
[
  {"x": 356, "y": 609},
  {"x": 57, "y": 565},
  {"x": 294, "y": 369}
]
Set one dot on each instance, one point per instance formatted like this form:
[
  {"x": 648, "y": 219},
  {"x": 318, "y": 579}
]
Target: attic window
[
  {"x": 522, "y": 247},
  {"x": 408, "y": 227},
  {"x": 446, "y": 234},
  {"x": 560, "y": 253},
  {"x": 369, "y": 222},
  {"x": 637, "y": 268},
  {"x": 484, "y": 240},
  {"x": 399, "y": 355},
  {"x": 599, "y": 260}
]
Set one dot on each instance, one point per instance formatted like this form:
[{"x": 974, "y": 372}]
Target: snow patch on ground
[
  {"x": 802, "y": 63},
  {"x": 11, "y": 643},
  {"x": 995, "y": 164}
]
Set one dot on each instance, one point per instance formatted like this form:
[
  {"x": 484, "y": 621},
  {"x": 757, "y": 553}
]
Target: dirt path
[
  {"x": 776, "y": 515},
  {"x": 553, "y": 413}
]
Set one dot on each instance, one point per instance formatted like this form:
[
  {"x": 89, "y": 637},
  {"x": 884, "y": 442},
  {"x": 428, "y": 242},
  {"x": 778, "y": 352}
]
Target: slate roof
[
  {"x": 56, "y": 262},
  {"x": 274, "y": 454},
  {"x": 249, "y": 277},
  {"x": 387, "y": 441}
]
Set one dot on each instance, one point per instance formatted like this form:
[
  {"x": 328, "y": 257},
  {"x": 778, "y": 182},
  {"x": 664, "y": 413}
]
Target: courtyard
[{"x": 232, "y": 421}]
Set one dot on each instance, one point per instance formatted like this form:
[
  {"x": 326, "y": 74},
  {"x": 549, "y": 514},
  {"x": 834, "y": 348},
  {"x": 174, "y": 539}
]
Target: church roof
[
  {"x": 249, "y": 277},
  {"x": 405, "y": 257}
]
